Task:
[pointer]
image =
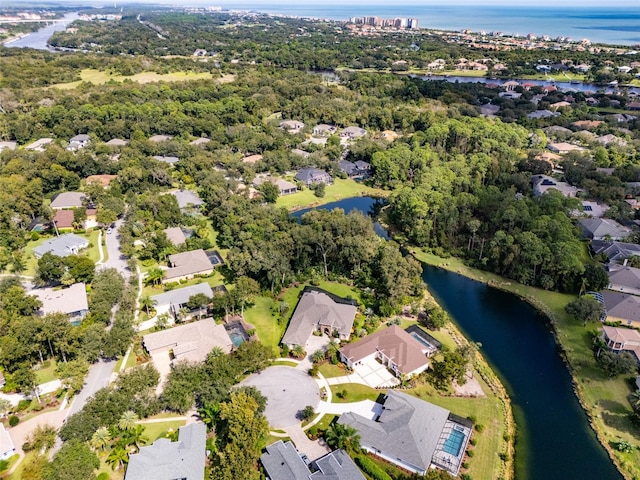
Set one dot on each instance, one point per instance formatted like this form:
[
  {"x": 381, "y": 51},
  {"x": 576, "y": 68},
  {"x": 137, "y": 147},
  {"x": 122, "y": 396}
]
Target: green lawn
[
  {"x": 604, "y": 398},
  {"x": 283, "y": 363},
  {"x": 324, "y": 423},
  {"x": 46, "y": 374},
  {"x": 341, "y": 188},
  {"x": 214, "y": 280},
  {"x": 355, "y": 393},
  {"x": 330, "y": 371},
  {"x": 32, "y": 262},
  {"x": 99, "y": 77},
  {"x": 153, "y": 431},
  {"x": 17, "y": 474}
]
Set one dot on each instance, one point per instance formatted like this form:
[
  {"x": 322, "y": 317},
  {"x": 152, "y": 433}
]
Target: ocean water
[{"x": 613, "y": 25}]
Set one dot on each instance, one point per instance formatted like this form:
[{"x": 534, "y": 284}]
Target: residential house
[
  {"x": 8, "y": 146},
  {"x": 320, "y": 311},
  {"x": 587, "y": 124},
  {"x": 550, "y": 158},
  {"x": 591, "y": 209},
  {"x": 353, "y": 132},
  {"x": 172, "y": 301},
  {"x": 398, "y": 350},
  {"x": 413, "y": 434},
  {"x": 557, "y": 130},
  {"x": 605, "y": 170},
  {"x": 167, "y": 460},
  {"x": 389, "y": 135},
  {"x": 284, "y": 187},
  {"x": 7, "y": 448},
  {"x": 160, "y": 138},
  {"x": 67, "y": 200},
  {"x": 542, "y": 114},
  {"x": 78, "y": 142},
  {"x": 603, "y": 229},
  {"x": 633, "y": 106},
  {"x": 187, "y": 200},
  {"x": 302, "y": 153},
  {"x": 190, "y": 342},
  {"x": 169, "y": 160},
  {"x": 622, "y": 340},
  {"x": 71, "y": 301},
  {"x": 102, "y": 180},
  {"x": 621, "y": 307},
  {"x": 615, "y": 251},
  {"x": 354, "y": 169},
  {"x": 291, "y": 126},
  {"x": 324, "y": 130},
  {"x": 611, "y": 139},
  {"x": 543, "y": 183},
  {"x": 251, "y": 159},
  {"x": 310, "y": 175},
  {"x": 633, "y": 203},
  {"x": 39, "y": 145},
  {"x": 557, "y": 105},
  {"x": 175, "y": 235},
  {"x": 187, "y": 265},
  {"x": 117, "y": 142},
  {"x": 563, "y": 147},
  {"x": 198, "y": 142},
  {"x": 623, "y": 278},
  {"x": 62, "y": 246},
  {"x": 63, "y": 219},
  {"x": 510, "y": 85},
  {"x": 437, "y": 64}
]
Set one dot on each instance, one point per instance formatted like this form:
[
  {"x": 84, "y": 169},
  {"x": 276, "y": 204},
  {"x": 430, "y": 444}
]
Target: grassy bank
[
  {"x": 604, "y": 399},
  {"x": 341, "y": 188}
]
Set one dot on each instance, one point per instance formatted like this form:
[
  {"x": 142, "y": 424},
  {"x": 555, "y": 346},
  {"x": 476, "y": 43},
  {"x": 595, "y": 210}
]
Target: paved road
[
  {"x": 115, "y": 260},
  {"x": 98, "y": 377}
]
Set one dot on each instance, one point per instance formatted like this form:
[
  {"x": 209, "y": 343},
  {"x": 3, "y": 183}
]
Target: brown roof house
[
  {"x": 401, "y": 352},
  {"x": 103, "y": 180},
  {"x": 622, "y": 340},
  {"x": 187, "y": 265},
  {"x": 321, "y": 311}
]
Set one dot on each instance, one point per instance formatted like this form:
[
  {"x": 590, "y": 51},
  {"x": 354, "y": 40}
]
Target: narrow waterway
[
  {"x": 39, "y": 40},
  {"x": 554, "y": 440}
]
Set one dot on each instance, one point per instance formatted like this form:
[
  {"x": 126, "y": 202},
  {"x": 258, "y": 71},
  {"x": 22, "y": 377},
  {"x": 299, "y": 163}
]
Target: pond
[{"x": 554, "y": 439}]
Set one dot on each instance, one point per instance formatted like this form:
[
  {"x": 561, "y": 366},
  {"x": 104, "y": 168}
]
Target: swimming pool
[
  {"x": 236, "y": 339},
  {"x": 237, "y": 333},
  {"x": 454, "y": 443},
  {"x": 421, "y": 340}
]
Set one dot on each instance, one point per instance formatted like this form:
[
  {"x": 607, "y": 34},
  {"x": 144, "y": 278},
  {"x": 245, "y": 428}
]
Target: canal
[
  {"x": 39, "y": 40},
  {"x": 554, "y": 439}
]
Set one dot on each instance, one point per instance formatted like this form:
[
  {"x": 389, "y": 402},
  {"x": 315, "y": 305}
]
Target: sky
[{"x": 231, "y": 3}]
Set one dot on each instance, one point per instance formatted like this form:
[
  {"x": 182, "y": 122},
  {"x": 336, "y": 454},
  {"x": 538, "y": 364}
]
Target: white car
[{"x": 109, "y": 230}]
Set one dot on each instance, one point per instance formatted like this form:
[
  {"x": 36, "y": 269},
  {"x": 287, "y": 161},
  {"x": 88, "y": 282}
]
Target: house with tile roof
[
  {"x": 320, "y": 311},
  {"x": 622, "y": 340},
  {"x": 167, "y": 460},
  {"x": 398, "y": 350},
  {"x": 413, "y": 434}
]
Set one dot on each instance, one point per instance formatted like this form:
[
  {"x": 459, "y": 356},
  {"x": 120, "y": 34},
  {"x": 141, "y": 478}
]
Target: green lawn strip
[
  {"x": 330, "y": 371},
  {"x": 355, "y": 392},
  {"x": 153, "y": 431},
  {"x": 267, "y": 327},
  {"x": 283, "y": 363},
  {"x": 324, "y": 423},
  {"x": 10, "y": 463},
  {"x": 341, "y": 188},
  {"x": 605, "y": 399},
  {"x": 273, "y": 439},
  {"x": 46, "y": 374},
  {"x": 93, "y": 252},
  {"x": 106, "y": 468},
  {"x": 17, "y": 474}
]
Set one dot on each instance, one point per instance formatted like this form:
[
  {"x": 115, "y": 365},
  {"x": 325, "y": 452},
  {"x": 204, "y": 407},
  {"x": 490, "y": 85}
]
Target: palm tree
[
  {"x": 209, "y": 414},
  {"x": 343, "y": 437},
  {"x": 118, "y": 457},
  {"x": 154, "y": 276},
  {"x": 298, "y": 352},
  {"x": 332, "y": 351},
  {"x": 135, "y": 437},
  {"x": 5, "y": 406},
  {"x": 128, "y": 421},
  {"x": 101, "y": 439},
  {"x": 147, "y": 303}
]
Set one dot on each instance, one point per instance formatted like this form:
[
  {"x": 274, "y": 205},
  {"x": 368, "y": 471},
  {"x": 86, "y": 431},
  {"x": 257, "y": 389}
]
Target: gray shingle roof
[
  {"x": 68, "y": 200},
  {"x": 598, "y": 228},
  {"x": 167, "y": 460},
  {"x": 180, "y": 296},
  {"x": 62, "y": 246},
  {"x": 313, "y": 175},
  {"x": 622, "y": 305},
  {"x": 615, "y": 251},
  {"x": 314, "y": 310},
  {"x": 188, "y": 263},
  {"x": 628, "y": 277},
  {"x": 282, "y": 462},
  {"x": 408, "y": 429},
  {"x": 186, "y": 198},
  {"x": 175, "y": 235},
  {"x": 336, "y": 465}
]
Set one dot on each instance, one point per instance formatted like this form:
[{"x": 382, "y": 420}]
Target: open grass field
[
  {"x": 605, "y": 399},
  {"x": 99, "y": 77},
  {"x": 330, "y": 371},
  {"x": 341, "y": 188}
]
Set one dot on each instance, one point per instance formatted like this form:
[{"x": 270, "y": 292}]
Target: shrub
[
  {"x": 369, "y": 467},
  {"x": 313, "y": 371},
  {"x": 13, "y": 421},
  {"x": 35, "y": 236},
  {"x": 465, "y": 465},
  {"x": 23, "y": 405},
  {"x": 466, "y": 476},
  {"x": 103, "y": 476},
  {"x": 470, "y": 453},
  {"x": 479, "y": 427},
  {"x": 473, "y": 442}
]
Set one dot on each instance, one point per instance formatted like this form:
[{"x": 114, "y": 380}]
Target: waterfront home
[
  {"x": 622, "y": 340},
  {"x": 62, "y": 246},
  {"x": 284, "y": 187},
  {"x": 186, "y": 265},
  {"x": 603, "y": 229},
  {"x": 71, "y": 301},
  {"x": 615, "y": 251},
  {"x": 354, "y": 169},
  {"x": 167, "y": 460},
  {"x": 67, "y": 200},
  {"x": 398, "y": 350},
  {"x": 320, "y": 311},
  {"x": 543, "y": 183},
  {"x": 623, "y": 278},
  {"x": 310, "y": 175},
  {"x": 413, "y": 434},
  {"x": 621, "y": 307}
]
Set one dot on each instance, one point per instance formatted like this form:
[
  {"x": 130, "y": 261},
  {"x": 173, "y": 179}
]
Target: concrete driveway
[
  {"x": 288, "y": 390},
  {"x": 162, "y": 362}
]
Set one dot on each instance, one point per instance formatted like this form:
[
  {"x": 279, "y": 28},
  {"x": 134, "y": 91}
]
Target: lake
[
  {"x": 39, "y": 39},
  {"x": 554, "y": 439}
]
